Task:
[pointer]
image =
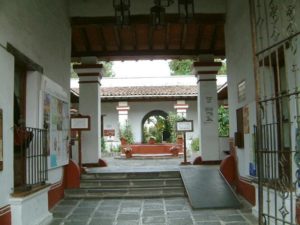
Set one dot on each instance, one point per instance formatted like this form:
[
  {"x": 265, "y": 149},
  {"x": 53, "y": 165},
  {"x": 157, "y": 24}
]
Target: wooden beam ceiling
[{"x": 102, "y": 38}]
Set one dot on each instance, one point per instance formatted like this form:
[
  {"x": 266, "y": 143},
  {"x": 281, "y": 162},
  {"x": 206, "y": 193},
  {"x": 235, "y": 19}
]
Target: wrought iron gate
[{"x": 277, "y": 66}]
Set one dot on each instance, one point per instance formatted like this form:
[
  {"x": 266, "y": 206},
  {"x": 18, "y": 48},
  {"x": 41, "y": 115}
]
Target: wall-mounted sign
[
  {"x": 81, "y": 123},
  {"x": 184, "y": 126},
  {"x": 109, "y": 132},
  {"x": 242, "y": 91},
  {"x": 1, "y": 139}
]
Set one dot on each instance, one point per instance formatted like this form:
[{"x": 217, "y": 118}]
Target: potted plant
[
  {"x": 123, "y": 140},
  {"x": 128, "y": 151},
  {"x": 175, "y": 150},
  {"x": 151, "y": 140},
  {"x": 126, "y": 135}
]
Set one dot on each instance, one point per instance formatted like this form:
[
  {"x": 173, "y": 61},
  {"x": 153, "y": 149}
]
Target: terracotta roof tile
[{"x": 149, "y": 91}]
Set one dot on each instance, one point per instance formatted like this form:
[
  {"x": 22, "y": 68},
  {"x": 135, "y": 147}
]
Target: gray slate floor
[{"x": 155, "y": 211}]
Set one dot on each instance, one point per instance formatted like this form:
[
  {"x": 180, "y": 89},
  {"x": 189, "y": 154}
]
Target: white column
[
  {"x": 90, "y": 104},
  {"x": 208, "y": 109},
  {"x": 181, "y": 108},
  {"x": 123, "y": 109}
]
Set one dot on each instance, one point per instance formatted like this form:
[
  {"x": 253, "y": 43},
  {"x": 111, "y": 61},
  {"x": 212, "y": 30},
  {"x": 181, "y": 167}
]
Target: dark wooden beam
[
  {"x": 134, "y": 36},
  {"x": 183, "y": 36},
  {"x": 213, "y": 39},
  {"x": 199, "y": 37},
  {"x": 167, "y": 36},
  {"x": 147, "y": 53},
  {"x": 150, "y": 38},
  {"x": 212, "y": 18},
  {"x": 86, "y": 39},
  {"x": 100, "y": 33},
  {"x": 117, "y": 37}
]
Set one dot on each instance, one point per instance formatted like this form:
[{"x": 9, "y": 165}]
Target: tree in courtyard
[
  {"x": 184, "y": 67},
  {"x": 181, "y": 67}
]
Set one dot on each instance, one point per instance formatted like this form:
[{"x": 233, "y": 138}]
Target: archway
[{"x": 153, "y": 124}]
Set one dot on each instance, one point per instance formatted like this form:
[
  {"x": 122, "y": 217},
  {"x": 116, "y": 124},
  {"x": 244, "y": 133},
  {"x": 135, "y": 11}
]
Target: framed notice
[
  {"x": 1, "y": 139},
  {"x": 109, "y": 132},
  {"x": 81, "y": 123},
  {"x": 184, "y": 126},
  {"x": 242, "y": 91}
]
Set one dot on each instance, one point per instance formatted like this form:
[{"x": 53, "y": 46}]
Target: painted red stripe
[{"x": 5, "y": 215}]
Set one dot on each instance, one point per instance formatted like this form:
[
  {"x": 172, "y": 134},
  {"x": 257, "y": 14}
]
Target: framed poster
[
  {"x": 242, "y": 91},
  {"x": 81, "y": 123},
  {"x": 246, "y": 120},
  {"x": 56, "y": 120},
  {"x": 1, "y": 139},
  {"x": 184, "y": 126}
]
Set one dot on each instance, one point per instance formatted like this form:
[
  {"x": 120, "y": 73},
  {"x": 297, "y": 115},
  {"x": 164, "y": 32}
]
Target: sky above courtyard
[{"x": 141, "y": 68}]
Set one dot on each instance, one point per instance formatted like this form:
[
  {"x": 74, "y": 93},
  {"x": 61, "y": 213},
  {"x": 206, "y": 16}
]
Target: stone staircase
[{"x": 129, "y": 185}]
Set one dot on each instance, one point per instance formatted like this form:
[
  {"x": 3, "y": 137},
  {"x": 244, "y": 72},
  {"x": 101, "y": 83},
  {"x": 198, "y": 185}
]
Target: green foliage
[
  {"x": 223, "y": 68},
  {"x": 107, "y": 66},
  {"x": 181, "y": 67},
  {"x": 126, "y": 132},
  {"x": 116, "y": 148},
  {"x": 155, "y": 130},
  {"x": 73, "y": 74},
  {"x": 223, "y": 128},
  {"x": 103, "y": 145},
  {"x": 161, "y": 127},
  {"x": 172, "y": 119},
  {"x": 195, "y": 144}
]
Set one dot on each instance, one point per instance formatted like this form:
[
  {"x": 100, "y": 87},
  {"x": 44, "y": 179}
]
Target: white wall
[
  {"x": 240, "y": 67},
  {"x": 6, "y": 100},
  {"x": 95, "y": 8},
  {"x": 41, "y": 31},
  {"x": 138, "y": 110}
]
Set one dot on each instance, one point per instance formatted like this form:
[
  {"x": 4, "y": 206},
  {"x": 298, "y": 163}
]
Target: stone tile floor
[{"x": 154, "y": 211}]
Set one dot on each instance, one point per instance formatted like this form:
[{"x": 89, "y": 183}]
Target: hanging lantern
[
  {"x": 158, "y": 14},
  {"x": 122, "y": 11},
  {"x": 186, "y": 9}
]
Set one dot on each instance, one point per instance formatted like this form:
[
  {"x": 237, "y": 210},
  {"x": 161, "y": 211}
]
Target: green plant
[
  {"x": 181, "y": 67},
  {"x": 223, "y": 128},
  {"x": 172, "y": 120},
  {"x": 103, "y": 145},
  {"x": 116, "y": 148},
  {"x": 126, "y": 132},
  {"x": 195, "y": 144}
]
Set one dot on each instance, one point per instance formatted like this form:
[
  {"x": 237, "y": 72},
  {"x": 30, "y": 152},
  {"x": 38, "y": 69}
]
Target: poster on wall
[
  {"x": 1, "y": 139},
  {"x": 56, "y": 120},
  {"x": 208, "y": 110}
]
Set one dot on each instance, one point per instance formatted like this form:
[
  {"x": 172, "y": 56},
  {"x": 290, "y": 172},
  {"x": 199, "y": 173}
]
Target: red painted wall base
[
  {"x": 246, "y": 190},
  {"x": 5, "y": 215},
  {"x": 55, "y": 194},
  {"x": 71, "y": 179},
  {"x": 228, "y": 168}
]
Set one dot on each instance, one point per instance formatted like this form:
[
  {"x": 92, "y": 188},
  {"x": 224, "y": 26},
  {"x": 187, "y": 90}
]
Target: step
[
  {"x": 126, "y": 192},
  {"x": 131, "y": 175},
  {"x": 132, "y": 183}
]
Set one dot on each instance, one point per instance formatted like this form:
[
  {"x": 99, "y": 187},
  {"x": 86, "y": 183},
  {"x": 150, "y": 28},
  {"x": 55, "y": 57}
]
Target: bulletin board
[{"x": 56, "y": 120}]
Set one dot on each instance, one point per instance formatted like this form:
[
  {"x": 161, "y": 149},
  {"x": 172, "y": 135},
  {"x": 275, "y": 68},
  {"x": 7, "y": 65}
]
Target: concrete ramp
[{"x": 207, "y": 188}]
